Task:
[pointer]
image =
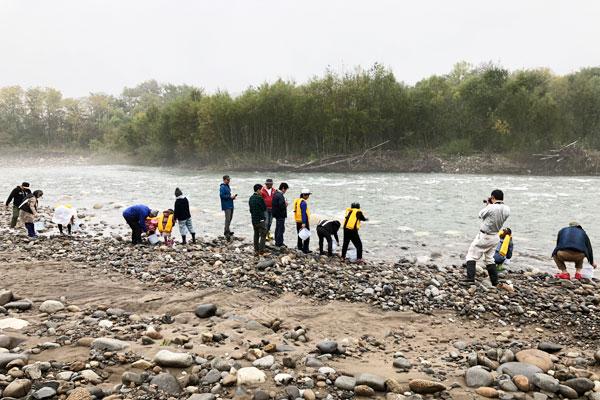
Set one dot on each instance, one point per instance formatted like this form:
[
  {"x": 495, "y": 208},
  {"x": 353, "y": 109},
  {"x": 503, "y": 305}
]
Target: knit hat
[{"x": 178, "y": 192}]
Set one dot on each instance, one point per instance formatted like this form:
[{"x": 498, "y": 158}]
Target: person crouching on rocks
[
  {"x": 325, "y": 229},
  {"x": 183, "y": 216},
  {"x": 165, "y": 226},
  {"x": 504, "y": 249},
  {"x": 135, "y": 216},
  {"x": 351, "y": 226},
  {"x": 28, "y": 211},
  {"x": 64, "y": 215},
  {"x": 492, "y": 217},
  {"x": 572, "y": 244}
]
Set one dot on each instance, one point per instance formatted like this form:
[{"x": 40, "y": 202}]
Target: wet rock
[
  {"x": 568, "y": 392},
  {"x": 167, "y": 383},
  {"x": 549, "y": 347},
  {"x": 206, "y": 310},
  {"x": 44, "y": 393},
  {"x": 51, "y": 306},
  {"x": 250, "y": 376},
  {"x": 166, "y": 358},
  {"x": 373, "y": 381},
  {"x": 545, "y": 382},
  {"x": 423, "y": 386},
  {"x": 535, "y": 357},
  {"x": 487, "y": 392},
  {"x": 364, "y": 390},
  {"x": 581, "y": 385},
  {"x": 328, "y": 347},
  {"x": 107, "y": 344},
  {"x": 22, "y": 305},
  {"x": 17, "y": 388},
  {"x": 345, "y": 382},
  {"x": 476, "y": 377},
  {"x": 518, "y": 368}
]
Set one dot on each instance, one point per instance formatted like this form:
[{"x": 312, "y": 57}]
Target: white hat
[{"x": 305, "y": 191}]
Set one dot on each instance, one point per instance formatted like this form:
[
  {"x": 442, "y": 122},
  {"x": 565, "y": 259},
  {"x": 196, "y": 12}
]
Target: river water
[{"x": 423, "y": 216}]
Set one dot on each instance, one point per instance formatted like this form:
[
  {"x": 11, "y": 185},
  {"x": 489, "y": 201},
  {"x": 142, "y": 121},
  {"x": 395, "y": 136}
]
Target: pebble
[
  {"x": 51, "y": 306},
  {"x": 17, "y": 388},
  {"x": 206, "y": 310},
  {"x": 423, "y": 386},
  {"x": 373, "y": 381},
  {"x": 167, "y": 383},
  {"x": 166, "y": 358},
  {"x": 250, "y": 376},
  {"x": 476, "y": 377},
  {"x": 549, "y": 347},
  {"x": 581, "y": 385},
  {"x": 345, "y": 382},
  {"x": 108, "y": 344},
  {"x": 265, "y": 362},
  {"x": 328, "y": 347},
  {"x": 364, "y": 390},
  {"x": 545, "y": 382},
  {"x": 487, "y": 392}
]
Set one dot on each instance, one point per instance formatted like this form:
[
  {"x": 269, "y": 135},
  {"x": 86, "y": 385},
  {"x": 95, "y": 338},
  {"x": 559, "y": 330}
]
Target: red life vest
[{"x": 268, "y": 198}]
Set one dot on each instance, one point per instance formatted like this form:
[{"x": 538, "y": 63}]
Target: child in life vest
[
  {"x": 504, "y": 250},
  {"x": 165, "y": 226}
]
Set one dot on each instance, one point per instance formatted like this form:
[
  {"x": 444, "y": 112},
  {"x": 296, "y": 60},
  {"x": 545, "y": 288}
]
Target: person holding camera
[{"x": 492, "y": 217}]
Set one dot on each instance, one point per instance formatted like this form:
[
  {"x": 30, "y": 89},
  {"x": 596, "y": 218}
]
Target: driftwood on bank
[
  {"x": 572, "y": 158},
  {"x": 353, "y": 160}
]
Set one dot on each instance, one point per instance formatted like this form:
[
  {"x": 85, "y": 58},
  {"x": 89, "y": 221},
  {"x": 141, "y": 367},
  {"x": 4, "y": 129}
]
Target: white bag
[
  {"x": 63, "y": 214},
  {"x": 39, "y": 226},
  {"x": 153, "y": 239},
  {"x": 352, "y": 255},
  {"x": 304, "y": 234},
  {"x": 587, "y": 271},
  {"x": 334, "y": 246}
]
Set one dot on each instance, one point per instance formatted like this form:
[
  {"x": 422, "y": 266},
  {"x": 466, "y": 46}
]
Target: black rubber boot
[
  {"x": 493, "y": 273},
  {"x": 193, "y": 237},
  {"x": 470, "y": 272},
  {"x": 183, "y": 240}
]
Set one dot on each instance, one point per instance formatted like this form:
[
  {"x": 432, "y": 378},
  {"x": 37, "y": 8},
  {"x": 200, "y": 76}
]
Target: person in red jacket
[{"x": 267, "y": 193}]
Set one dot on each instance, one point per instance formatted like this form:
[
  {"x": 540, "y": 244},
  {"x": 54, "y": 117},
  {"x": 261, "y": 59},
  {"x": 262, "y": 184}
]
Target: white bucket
[
  {"x": 39, "y": 226},
  {"x": 304, "y": 234},
  {"x": 334, "y": 246},
  {"x": 352, "y": 255},
  {"x": 153, "y": 239},
  {"x": 75, "y": 227}
]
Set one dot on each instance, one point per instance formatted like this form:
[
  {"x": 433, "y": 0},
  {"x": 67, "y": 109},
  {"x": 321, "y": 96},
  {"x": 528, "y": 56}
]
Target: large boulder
[
  {"x": 166, "y": 383},
  {"x": 535, "y": 357},
  {"x": 51, "y": 306},
  {"x": 477, "y": 377},
  {"x": 166, "y": 358}
]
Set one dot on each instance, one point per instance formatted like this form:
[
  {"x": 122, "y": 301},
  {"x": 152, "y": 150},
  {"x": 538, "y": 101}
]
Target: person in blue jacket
[
  {"x": 227, "y": 204},
  {"x": 572, "y": 244},
  {"x": 136, "y": 219}
]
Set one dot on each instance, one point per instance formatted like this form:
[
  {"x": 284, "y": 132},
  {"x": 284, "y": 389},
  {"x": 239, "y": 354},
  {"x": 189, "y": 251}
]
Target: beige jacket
[{"x": 25, "y": 217}]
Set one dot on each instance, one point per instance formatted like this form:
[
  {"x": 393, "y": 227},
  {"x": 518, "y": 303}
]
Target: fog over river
[{"x": 424, "y": 216}]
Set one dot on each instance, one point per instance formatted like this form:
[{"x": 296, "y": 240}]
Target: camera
[{"x": 488, "y": 201}]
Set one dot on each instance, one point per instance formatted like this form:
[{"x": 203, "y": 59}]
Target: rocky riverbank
[{"x": 93, "y": 317}]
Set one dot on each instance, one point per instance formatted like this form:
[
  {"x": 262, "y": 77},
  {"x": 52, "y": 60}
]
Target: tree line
[{"x": 482, "y": 108}]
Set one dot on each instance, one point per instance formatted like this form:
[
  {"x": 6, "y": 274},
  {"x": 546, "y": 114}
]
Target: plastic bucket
[
  {"x": 304, "y": 234},
  {"x": 352, "y": 255},
  {"x": 153, "y": 239},
  {"x": 334, "y": 246},
  {"x": 39, "y": 226},
  {"x": 587, "y": 271}
]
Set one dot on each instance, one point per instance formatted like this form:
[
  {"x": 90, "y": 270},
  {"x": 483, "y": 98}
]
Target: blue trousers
[
  {"x": 279, "y": 231},
  {"x": 268, "y": 219}
]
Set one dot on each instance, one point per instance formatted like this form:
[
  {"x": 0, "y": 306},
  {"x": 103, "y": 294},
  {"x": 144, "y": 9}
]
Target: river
[{"x": 420, "y": 216}]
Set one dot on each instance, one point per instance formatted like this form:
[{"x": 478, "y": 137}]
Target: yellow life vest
[
  {"x": 298, "y": 210},
  {"x": 58, "y": 205},
  {"x": 168, "y": 227},
  {"x": 351, "y": 221},
  {"x": 504, "y": 248}
]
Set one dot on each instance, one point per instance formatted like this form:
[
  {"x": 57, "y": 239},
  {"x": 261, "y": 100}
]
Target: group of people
[
  {"x": 494, "y": 244},
  {"x": 142, "y": 219},
  {"x": 267, "y": 203}
]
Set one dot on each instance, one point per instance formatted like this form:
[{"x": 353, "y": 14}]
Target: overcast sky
[{"x": 80, "y": 47}]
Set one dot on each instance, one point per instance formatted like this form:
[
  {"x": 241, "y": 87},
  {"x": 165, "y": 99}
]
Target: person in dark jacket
[
  {"x": 258, "y": 207},
  {"x": 136, "y": 219},
  {"x": 227, "y": 204},
  {"x": 279, "y": 205},
  {"x": 182, "y": 214},
  {"x": 17, "y": 196},
  {"x": 572, "y": 244},
  {"x": 325, "y": 229},
  {"x": 28, "y": 211}
]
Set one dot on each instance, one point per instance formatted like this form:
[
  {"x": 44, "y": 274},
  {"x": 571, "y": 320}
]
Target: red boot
[
  {"x": 578, "y": 276},
  {"x": 564, "y": 275}
]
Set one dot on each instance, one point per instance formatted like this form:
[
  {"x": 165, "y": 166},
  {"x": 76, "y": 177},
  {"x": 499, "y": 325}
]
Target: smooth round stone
[
  {"x": 518, "y": 368},
  {"x": 545, "y": 382},
  {"x": 51, "y": 306},
  {"x": 206, "y": 310},
  {"x": 345, "y": 382},
  {"x": 581, "y": 385},
  {"x": 549, "y": 347},
  {"x": 476, "y": 377}
]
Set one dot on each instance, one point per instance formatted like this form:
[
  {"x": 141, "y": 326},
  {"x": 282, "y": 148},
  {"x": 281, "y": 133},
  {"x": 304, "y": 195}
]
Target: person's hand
[
  {"x": 594, "y": 265},
  {"x": 36, "y": 215},
  {"x": 303, "y": 226},
  {"x": 234, "y": 197},
  {"x": 5, "y": 207},
  {"x": 286, "y": 204}
]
